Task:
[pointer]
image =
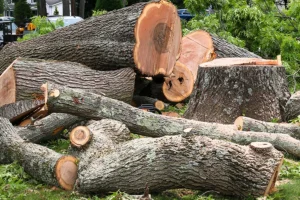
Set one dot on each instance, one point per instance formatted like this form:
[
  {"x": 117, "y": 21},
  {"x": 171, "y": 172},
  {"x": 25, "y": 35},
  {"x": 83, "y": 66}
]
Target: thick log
[
  {"x": 153, "y": 125},
  {"x": 292, "y": 107},
  {"x": 249, "y": 124},
  {"x": 196, "y": 48},
  {"x": 221, "y": 94},
  {"x": 40, "y": 162},
  {"x": 145, "y": 35},
  {"x": 225, "y": 49},
  {"x": 174, "y": 162},
  {"x": 104, "y": 135},
  {"x": 179, "y": 85},
  {"x": 240, "y": 61},
  {"x": 20, "y": 110},
  {"x": 47, "y": 128},
  {"x": 29, "y": 74},
  {"x": 139, "y": 100}
]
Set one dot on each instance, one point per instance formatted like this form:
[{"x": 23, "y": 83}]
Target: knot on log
[{"x": 261, "y": 147}]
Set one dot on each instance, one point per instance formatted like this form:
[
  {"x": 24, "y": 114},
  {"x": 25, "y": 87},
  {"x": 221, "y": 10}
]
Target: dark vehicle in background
[
  {"x": 184, "y": 14},
  {"x": 8, "y": 33}
]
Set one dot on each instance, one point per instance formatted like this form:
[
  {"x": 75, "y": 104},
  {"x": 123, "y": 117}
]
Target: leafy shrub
[{"x": 99, "y": 12}]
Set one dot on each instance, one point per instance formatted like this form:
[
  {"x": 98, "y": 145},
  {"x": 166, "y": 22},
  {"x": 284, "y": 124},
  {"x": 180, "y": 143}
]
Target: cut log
[
  {"x": 153, "y": 125},
  {"x": 292, "y": 107},
  {"x": 249, "y": 124},
  {"x": 47, "y": 128},
  {"x": 174, "y": 162},
  {"x": 179, "y": 85},
  {"x": 145, "y": 35},
  {"x": 170, "y": 114},
  {"x": 29, "y": 74},
  {"x": 40, "y": 162},
  {"x": 222, "y": 94},
  {"x": 225, "y": 49},
  {"x": 96, "y": 139},
  {"x": 240, "y": 61},
  {"x": 196, "y": 48},
  {"x": 20, "y": 110},
  {"x": 139, "y": 100}
]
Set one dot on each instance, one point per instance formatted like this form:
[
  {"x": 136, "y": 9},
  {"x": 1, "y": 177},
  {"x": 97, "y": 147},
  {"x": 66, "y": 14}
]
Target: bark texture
[
  {"x": 109, "y": 41},
  {"x": 182, "y": 162},
  {"x": 30, "y": 74},
  {"x": 20, "y": 110},
  {"x": 106, "y": 134},
  {"x": 38, "y": 161},
  {"x": 225, "y": 49},
  {"x": 221, "y": 94},
  {"x": 47, "y": 128},
  {"x": 292, "y": 107},
  {"x": 153, "y": 125},
  {"x": 249, "y": 124}
]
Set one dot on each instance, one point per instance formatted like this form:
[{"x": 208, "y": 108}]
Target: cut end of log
[
  {"x": 238, "y": 123},
  {"x": 7, "y": 86},
  {"x": 170, "y": 114},
  {"x": 80, "y": 136},
  {"x": 159, "y": 105},
  {"x": 54, "y": 93},
  {"x": 66, "y": 172},
  {"x": 261, "y": 147},
  {"x": 179, "y": 85},
  {"x": 271, "y": 186},
  {"x": 158, "y": 38},
  {"x": 25, "y": 123}
]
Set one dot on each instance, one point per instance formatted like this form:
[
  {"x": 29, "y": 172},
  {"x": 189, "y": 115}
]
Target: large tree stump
[
  {"x": 292, "y": 107},
  {"x": 40, "y": 162},
  {"x": 222, "y": 94},
  {"x": 145, "y": 35},
  {"x": 153, "y": 125},
  {"x": 29, "y": 74},
  {"x": 174, "y": 162}
]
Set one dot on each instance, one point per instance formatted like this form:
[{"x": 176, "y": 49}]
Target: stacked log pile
[{"x": 135, "y": 57}]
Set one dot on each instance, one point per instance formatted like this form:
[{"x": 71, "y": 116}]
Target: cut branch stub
[
  {"x": 179, "y": 85},
  {"x": 80, "y": 136},
  {"x": 66, "y": 172},
  {"x": 158, "y": 36}
]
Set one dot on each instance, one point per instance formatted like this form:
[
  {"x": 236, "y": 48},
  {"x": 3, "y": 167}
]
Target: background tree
[
  {"x": 81, "y": 8},
  {"x": 55, "y": 11},
  {"x": 22, "y": 11},
  {"x": 1, "y": 7},
  {"x": 41, "y": 4},
  {"x": 66, "y": 7},
  {"x": 108, "y": 4}
]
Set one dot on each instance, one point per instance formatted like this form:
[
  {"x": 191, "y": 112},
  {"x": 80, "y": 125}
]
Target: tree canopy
[{"x": 22, "y": 11}]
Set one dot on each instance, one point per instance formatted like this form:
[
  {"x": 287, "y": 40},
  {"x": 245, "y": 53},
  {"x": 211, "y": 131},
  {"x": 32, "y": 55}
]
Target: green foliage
[
  {"x": 108, "y": 5},
  {"x": 55, "y": 11},
  {"x": 1, "y": 7},
  {"x": 43, "y": 26},
  {"x": 22, "y": 11},
  {"x": 177, "y": 110},
  {"x": 296, "y": 120},
  {"x": 99, "y": 12},
  {"x": 58, "y": 145},
  {"x": 290, "y": 169},
  {"x": 289, "y": 191}
]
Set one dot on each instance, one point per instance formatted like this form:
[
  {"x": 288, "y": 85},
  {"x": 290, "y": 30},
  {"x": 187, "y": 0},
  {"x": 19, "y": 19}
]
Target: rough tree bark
[
  {"x": 221, "y": 94},
  {"x": 292, "y": 107},
  {"x": 225, "y": 49},
  {"x": 66, "y": 7},
  {"x": 28, "y": 75},
  {"x": 16, "y": 112},
  {"x": 145, "y": 35},
  {"x": 48, "y": 127},
  {"x": 40, "y": 162},
  {"x": 249, "y": 124},
  {"x": 174, "y": 162},
  {"x": 153, "y": 125}
]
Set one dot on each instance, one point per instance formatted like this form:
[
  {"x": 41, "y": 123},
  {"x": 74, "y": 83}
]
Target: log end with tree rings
[
  {"x": 7, "y": 86},
  {"x": 179, "y": 85},
  {"x": 158, "y": 37},
  {"x": 261, "y": 147},
  {"x": 196, "y": 48},
  {"x": 159, "y": 105},
  {"x": 271, "y": 186},
  {"x": 238, "y": 123},
  {"x": 66, "y": 172},
  {"x": 80, "y": 136}
]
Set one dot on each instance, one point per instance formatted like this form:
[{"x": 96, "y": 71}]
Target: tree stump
[{"x": 223, "y": 93}]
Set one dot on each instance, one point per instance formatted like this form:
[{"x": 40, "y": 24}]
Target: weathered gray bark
[
  {"x": 249, "y": 124},
  {"x": 21, "y": 109},
  {"x": 225, "y": 49},
  {"x": 292, "y": 107},
  {"x": 30, "y": 74},
  {"x": 106, "y": 134},
  {"x": 38, "y": 161},
  {"x": 153, "y": 125},
  {"x": 47, "y": 128},
  {"x": 182, "y": 162},
  {"x": 66, "y": 7},
  {"x": 221, "y": 94},
  {"x": 102, "y": 42}
]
